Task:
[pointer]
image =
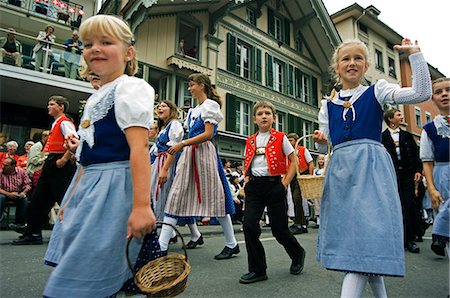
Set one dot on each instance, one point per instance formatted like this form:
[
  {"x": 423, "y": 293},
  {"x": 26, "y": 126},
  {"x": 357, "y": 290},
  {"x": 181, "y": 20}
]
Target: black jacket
[{"x": 410, "y": 161}]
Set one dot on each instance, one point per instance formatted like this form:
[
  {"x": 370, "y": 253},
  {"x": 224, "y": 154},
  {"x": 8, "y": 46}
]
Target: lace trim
[
  {"x": 441, "y": 126},
  {"x": 93, "y": 113}
]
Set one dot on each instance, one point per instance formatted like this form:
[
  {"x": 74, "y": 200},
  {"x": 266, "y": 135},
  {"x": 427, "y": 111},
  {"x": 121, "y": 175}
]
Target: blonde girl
[
  {"x": 435, "y": 155},
  {"x": 200, "y": 187},
  {"x": 108, "y": 200},
  {"x": 352, "y": 238}
]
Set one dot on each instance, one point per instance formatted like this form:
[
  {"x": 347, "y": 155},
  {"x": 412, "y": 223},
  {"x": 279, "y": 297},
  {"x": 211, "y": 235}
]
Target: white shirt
[{"x": 395, "y": 135}]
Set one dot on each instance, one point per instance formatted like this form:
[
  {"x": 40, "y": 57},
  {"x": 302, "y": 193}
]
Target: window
[
  {"x": 363, "y": 28},
  {"x": 379, "y": 60},
  {"x": 280, "y": 122},
  {"x": 279, "y": 27},
  {"x": 299, "y": 44},
  {"x": 418, "y": 116},
  {"x": 238, "y": 113},
  {"x": 428, "y": 117},
  {"x": 162, "y": 89},
  {"x": 250, "y": 16},
  {"x": 188, "y": 43},
  {"x": 244, "y": 59},
  {"x": 278, "y": 75},
  {"x": 392, "y": 71}
]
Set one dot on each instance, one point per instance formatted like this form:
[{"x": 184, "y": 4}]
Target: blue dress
[
  {"x": 89, "y": 245},
  {"x": 361, "y": 227}
]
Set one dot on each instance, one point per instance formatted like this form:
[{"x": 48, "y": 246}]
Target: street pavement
[{"x": 24, "y": 275}]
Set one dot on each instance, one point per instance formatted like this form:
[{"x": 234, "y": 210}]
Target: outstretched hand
[
  {"x": 72, "y": 143},
  {"x": 408, "y": 47}
]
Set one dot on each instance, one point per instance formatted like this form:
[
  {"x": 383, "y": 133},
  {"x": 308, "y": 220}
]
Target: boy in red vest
[
  {"x": 266, "y": 154},
  {"x": 57, "y": 172}
]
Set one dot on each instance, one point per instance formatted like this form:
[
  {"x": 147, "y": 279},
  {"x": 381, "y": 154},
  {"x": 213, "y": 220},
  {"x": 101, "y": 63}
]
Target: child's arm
[
  {"x": 142, "y": 219},
  {"x": 201, "y": 138},
  {"x": 291, "y": 170},
  {"x": 435, "y": 195}
]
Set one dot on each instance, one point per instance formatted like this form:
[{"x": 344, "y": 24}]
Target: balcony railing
[
  {"x": 61, "y": 11},
  {"x": 54, "y": 57}
]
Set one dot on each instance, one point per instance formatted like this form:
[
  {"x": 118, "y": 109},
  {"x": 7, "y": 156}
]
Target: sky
[{"x": 425, "y": 21}]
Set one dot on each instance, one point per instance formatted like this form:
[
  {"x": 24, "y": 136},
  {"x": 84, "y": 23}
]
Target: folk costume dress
[
  {"x": 361, "y": 229},
  {"x": 200, "y": 187},
  {"x": 169, "y": 136},
  {"x": 434, "y": 146},
  {"x": 89, "y": 245}
]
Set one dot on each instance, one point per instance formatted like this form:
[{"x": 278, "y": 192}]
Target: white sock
[
  {"x": 318, "y": 220},
  {"x": 195, "y": 233},
  {"x": 353, "y": 285},
  {"x": 174, "y": 233},
  {"x": 228, "y": 230},
  {"x": 266, "y": 216},
  {"x": 378, "y": 287},
  {"x": 166, "y": 232}
]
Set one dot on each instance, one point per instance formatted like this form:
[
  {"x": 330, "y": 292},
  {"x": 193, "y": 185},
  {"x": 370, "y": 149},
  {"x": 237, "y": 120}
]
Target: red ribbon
[
  {"x": 161, "y": 162},
  {"x": 196, "y": 176}
]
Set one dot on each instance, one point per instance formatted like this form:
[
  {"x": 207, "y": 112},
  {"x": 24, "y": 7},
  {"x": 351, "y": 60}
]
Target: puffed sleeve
[
  {"x": 211, "y": 112},
  {"x": 134, "y": 103},
  {"x": 175, "y": 133},
  {"x": 323, "y": 125},
  {"x": 426, "y": 147}
]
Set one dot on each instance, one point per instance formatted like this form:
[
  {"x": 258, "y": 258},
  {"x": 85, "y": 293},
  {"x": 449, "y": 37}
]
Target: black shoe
[
  {"x": 193, "y": 244},
  {"x": 251, "y": 277},
  {"x": 438, "y": 245},
  {"x": 228, "y": 253},
  {"x": 297, "y": 265},
  {"x": 28, "y": 240},
  {"x": 163, "y": 253},
  {"x": 18, "y": 228},
  {"x": 295, "y": 230},
  {"x": 412, "y": 247},
  {"x": 174, "y": 239}
]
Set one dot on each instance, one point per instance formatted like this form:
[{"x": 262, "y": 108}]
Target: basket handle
[
  {"x": 296, "y": 153},
  {"x": 158, "y": 223}
]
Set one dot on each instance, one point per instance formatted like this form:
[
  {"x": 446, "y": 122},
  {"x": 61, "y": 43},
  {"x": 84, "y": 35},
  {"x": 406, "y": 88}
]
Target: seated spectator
[
  {"x": 192, "y": 52},
  {"x": 45, "y": 39},
  {"x": 10, "y": 47},
  {"x": 22, "y": 160},
  {"x": 36, "y": 159},
  {"x": 2, "y": 142},
  {"x": 14, "y": 186},
  {"x": 72, "y": 55},
  {"x": 11, "y": 149}
]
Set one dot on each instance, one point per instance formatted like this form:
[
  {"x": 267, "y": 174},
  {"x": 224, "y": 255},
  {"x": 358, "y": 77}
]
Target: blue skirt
[
  {"x": 441, "y": 175},
  {"x": 361, "y": 227},
  {"x": 89, "y": 245}
]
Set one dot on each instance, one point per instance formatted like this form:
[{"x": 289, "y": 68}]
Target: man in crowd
[
  {"x": 72, "y": 55},
  {"x": 10, "y": 47},
  {"x": 14, "y": 186}
]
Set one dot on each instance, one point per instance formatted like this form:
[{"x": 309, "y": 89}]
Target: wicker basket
[
  {"x": 311, "y": 186},
  {"x": 165, "y": 276}
]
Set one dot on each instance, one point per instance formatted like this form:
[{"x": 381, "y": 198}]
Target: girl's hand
[
  {"x": 320, "y": 137},
  {"x": 141, "y": 222},
  {"x": 162, "y": 178},
  {"x": 237, "y": 201},
  {"x": 72, "y": 143},
  {"x": 408, "y": 47},
  {"x": 436, "y": 198},
  {"x": 175, "y": 148}
]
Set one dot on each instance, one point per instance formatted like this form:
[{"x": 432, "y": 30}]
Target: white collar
[
  {"x": 442, "y": 127},
  {"x": 348, "y": 104},
  {"x": 393, "y": 131}
]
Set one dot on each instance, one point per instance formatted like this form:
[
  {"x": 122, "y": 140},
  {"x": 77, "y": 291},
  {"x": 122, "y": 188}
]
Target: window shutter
[
  {"x": 287, "y": 32},
  {"x": 271, "y": 22},
  {"x": 231, "y": 113},
  {"x": 269, "y": 71},
  {"x": 315, "y": 94},
  {"x": 298, "y": 83},
  {"x": 231, "y": 62},
  {"x": 290, "y": 80},
  {"x": 258, "y": 76}
]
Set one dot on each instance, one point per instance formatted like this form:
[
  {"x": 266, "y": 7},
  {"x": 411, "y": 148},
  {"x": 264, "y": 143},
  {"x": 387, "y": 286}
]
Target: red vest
[
  {"x": 55, "y": 142},
  {"x": 302, "y": 164},
  {"x": 276, "y": 160}
]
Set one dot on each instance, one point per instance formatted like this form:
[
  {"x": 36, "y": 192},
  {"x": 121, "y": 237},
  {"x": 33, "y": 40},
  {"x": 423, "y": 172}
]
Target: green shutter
[
  {"x": 315, "y": 95},
  {"x": 258, "y": 75},
  {"x": 231, "y": 62},
  {"x": 287, "y": 32},
  {"x": 290, "y": 80},
  {"x": 231, "y": 112},
  {"x": 298, "y": 83},
  {"x": 269, "y": 71},
  {"x": 294, "y": 124},
  {"x": 270, "y": 22}
]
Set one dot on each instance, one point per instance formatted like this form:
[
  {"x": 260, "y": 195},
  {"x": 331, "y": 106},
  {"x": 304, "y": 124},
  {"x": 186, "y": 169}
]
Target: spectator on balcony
[
  {"x": 10, "y": 47},
  {"x": 192, "y": 52},
  {"x": 72, "y": 55},
  {"x": 43, "y": 47}
]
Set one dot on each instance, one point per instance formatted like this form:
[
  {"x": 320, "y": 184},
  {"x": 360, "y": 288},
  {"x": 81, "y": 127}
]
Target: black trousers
[
  {"x": 261, "y": 192},
  {"x": 297, "y": 198},
  {"x": 411, "y": 222},
  {"x": 51, "y": 188}
]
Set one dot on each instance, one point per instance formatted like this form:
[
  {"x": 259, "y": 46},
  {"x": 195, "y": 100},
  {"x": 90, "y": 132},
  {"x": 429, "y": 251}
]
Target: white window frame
[
  {"x": 379, "y": 63},
  {"x": 280, "y": 122},
  {"x": 250, "y": 16},
  {"x": 428, "y": 117},
  {"x": 305, "y": 81},
  {"x": 243, "y": 119},
  {"x": 279, "y": 75},
  {"x": 243, "y": 51},
  {"x": 306, "y": 129},
  {"x": 278, "y": 28},
  {"x": 418, "y": 116}
]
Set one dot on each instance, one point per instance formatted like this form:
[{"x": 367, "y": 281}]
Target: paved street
[{"x": 24, "y": 275}]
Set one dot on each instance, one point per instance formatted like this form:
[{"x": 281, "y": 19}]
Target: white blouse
[
  {"x": 209, "y": 110},
  {"x": 426, "y": 144}
]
